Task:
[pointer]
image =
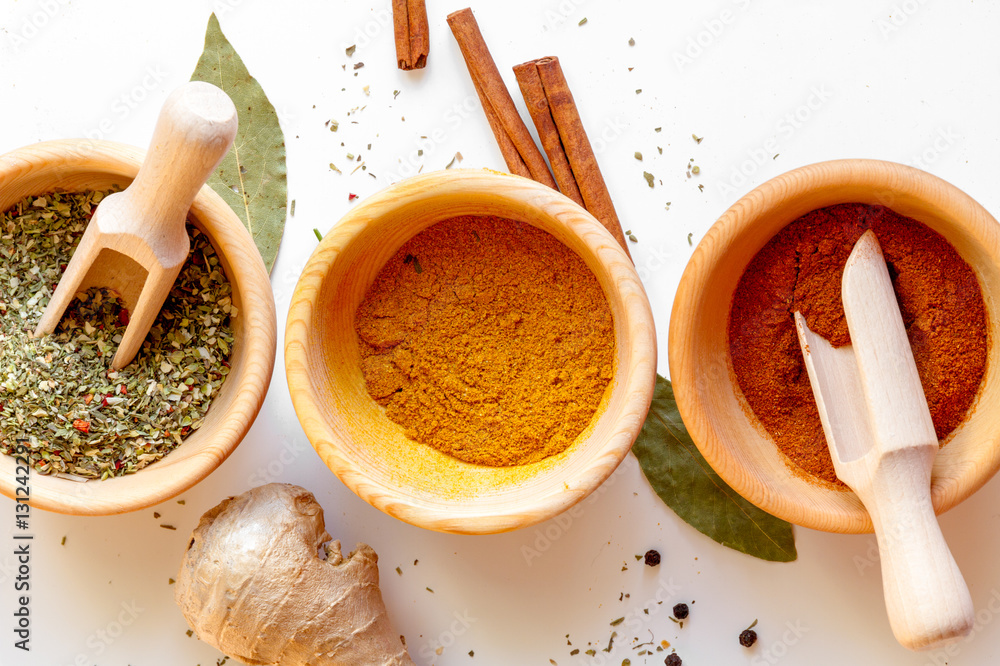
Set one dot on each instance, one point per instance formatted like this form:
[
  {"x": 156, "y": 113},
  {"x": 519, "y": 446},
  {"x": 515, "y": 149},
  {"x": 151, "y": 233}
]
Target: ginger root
[{"x": 253, "y": 585}]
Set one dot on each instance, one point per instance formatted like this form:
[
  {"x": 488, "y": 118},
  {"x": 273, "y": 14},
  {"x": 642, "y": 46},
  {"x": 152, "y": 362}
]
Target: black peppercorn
[
  {"x": 681, "y": 611},
  {"x": 673, "y": 660},
  {"x": 748, "y": 637},
  {"x": 652, "y": 558}
]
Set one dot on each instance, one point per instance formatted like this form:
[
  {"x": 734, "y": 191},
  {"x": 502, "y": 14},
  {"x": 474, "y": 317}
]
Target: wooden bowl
[
  {"x": 78, "y": 165},
  {"x": 717, "y": 415},
  {"x": 412, "y": 481}
]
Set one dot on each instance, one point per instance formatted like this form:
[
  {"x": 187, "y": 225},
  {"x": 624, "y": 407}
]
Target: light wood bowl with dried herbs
[
  {"x": 370, "y": 453},
  {"x": 716, "y": 412},
  {"x": 80, "y": 166}
]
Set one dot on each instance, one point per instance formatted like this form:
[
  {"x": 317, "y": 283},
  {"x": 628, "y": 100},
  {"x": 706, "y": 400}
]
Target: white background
[{"x": 770, "y": 85}]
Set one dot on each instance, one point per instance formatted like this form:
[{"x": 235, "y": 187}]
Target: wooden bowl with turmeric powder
[
  {"x": 470, "y": 352},
  {"x": 734, "y": 358},
  {"x": 140, "y": 472}
]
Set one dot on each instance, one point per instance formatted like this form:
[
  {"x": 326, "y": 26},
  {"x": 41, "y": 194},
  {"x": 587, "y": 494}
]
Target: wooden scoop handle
[
  {"x": 926, "y": 598},
  {"x": 194, "y": 131}
]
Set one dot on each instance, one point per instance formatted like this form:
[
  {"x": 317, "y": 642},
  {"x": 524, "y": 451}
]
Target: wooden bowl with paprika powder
[
  {"x": 370, "y": 453},
  {"x": 78, "y": 165},
  {"x": 715, "y": 409}
]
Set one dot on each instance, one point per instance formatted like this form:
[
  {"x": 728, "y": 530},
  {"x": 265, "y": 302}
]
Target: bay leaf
[
  {"x": 252, "y": 176},
  {"x": 685, "y": 481}
]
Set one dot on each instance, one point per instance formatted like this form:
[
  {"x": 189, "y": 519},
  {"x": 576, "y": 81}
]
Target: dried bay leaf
[
  {"x": 252, "y": 177},
  {"x": 687, "y": 484}
]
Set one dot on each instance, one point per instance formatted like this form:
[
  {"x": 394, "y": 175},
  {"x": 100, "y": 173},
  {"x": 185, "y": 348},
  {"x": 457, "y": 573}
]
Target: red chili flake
[
  {"x": 123, "y": 317},
  {"x": 87, "y": 399},
  {"x": 81, "y": 425},
  {"x": 352, "y": 196},
  {"x": 118, "y": 464},
  {"x": 104, "y": 400},
  {"x": 122, "y": 389}
]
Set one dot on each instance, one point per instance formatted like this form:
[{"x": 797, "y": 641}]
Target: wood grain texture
[
  {"x": 369, "y": 453},
  {"x": 137, "y": 241},
  {"x": 75, "y": 165},
  {"x": 717, "y": 415}
]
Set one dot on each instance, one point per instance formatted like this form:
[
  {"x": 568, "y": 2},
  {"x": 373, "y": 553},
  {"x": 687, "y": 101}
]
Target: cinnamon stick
[
  {"x": 538, "y": 106},
  {"x": 409, "y": 23},
  {"x": 518, "y": 148},
  {"x": 561, "y": 131}
]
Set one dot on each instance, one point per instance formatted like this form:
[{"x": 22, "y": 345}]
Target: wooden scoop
[
  {"x": 882, "y": 441},
  {"x": 136, "y": 242}
]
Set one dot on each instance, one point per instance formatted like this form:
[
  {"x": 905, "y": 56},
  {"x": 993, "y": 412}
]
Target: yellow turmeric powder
[{"x": 487, "y": 339}]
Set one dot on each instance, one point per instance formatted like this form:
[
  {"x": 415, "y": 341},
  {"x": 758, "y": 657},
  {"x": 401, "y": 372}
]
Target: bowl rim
[
  {"x": 166, "y": 478},
  {"x": 846, "y": 514},
  {"x": 329, "y": 442}
]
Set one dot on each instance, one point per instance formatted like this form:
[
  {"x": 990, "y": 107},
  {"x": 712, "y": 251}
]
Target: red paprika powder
[{"x": 801, "y": 269}]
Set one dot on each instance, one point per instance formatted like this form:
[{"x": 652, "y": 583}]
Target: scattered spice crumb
[
  {"x": 189, "y": 633},
  {"x": 701, "y": 187},
  {"x": 395, "y": 93},
  {"x": 156, "y": 514},
  {"x": 168, "y": 527},
  {"x": 472, "y": 653},
  {"x": 458, "y": 156},
  {"x": 638, "y": 90},
  {"x": 631, "y": 42},
  {"x": 182, "y": 502},
  {"x": 689, "y": 238},
  {"x": 582, "y": 21},
  {"x": 63, "y": 541},
  {"x": 673, "y": 659},
  {"x": 638, "y": 155},
  {"x": 171, "y": 581},
  {"x": 415, "y": 562},
  {"x": 359, "y": 65},
  {"x": 697, "y": 139},
  {"x": 351, "y": 196},
  {"x": 652, "y": 557},
  {"x": 574, "y": 652},
  {"x": 333, "y": 167},
  {"x": 657, "y": 129},
  {"x": 399, "y": 571},
  {"x": 319, "y": 236},
  {"x": 291, "y": 209},
  {"x": 350, "y": 50},
  {"x": 649, "y": 178},
  {"x": 681, "y": 611},
  {"x": 615, "y": 623}
]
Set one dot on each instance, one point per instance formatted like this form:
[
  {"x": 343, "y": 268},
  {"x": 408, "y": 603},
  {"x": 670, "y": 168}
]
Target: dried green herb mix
[{"x": 58, "y": 393}]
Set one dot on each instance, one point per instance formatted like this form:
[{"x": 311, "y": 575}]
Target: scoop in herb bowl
[
  {"x": 370, "y": 453},
  {"x": 84, "y": 166}
]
